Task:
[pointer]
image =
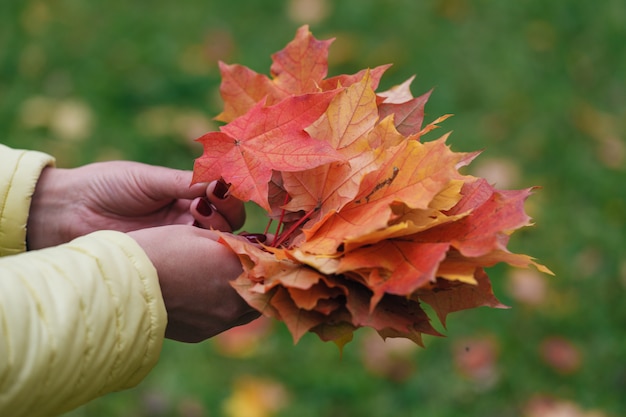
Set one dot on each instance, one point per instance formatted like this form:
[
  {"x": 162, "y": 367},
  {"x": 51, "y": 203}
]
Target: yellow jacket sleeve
[
  {"x": 76, "y": 321},
  {"x": 19, "y": 172}
]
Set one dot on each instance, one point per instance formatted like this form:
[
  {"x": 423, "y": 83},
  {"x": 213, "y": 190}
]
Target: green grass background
[{"x": 539, "y": 85}]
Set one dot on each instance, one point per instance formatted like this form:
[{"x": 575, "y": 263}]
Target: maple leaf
[
  {"x": 301, "y": 66},
  {"x": 399, "y": 93},
  {"x": 242, "y": 88},
  {"x": 432, "y": 125},
  {"x": 344, "y": 80},
  {"x": 394, "y": 266},
  {"x": 408, "y": 116},
  {"x": 394, "y": 316},
  {"x": 345, "y": 126},
  {"x": 488, "y": 226},
  {"x": 449, "y": 296},
  {"x": 457, "y": 267},
  {"x": 246, "y": 150},
  {"x": 318, "y": 297},
  {"x": 299, "y": 321},
  {"x": 413, "y": 175},
  {"x": 372, "y": 221},
  {"x": 411, "y": 221},
  {"x": 297, "y": 69}
]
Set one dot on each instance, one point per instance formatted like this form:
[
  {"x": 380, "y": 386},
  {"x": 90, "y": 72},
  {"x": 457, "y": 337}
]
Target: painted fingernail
[
  {"x": 255, "y": 237},
  {"x": 204, "y": 208},
  {"x": 221, "y": 188}
]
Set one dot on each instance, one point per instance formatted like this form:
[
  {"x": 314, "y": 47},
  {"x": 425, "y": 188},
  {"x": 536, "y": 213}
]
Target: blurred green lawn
[{"x": 540, "y": 86}]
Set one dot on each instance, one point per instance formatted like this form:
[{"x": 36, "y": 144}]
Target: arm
[
  {"x": 88, "y": 317},
  {"x": 84, "y": 318},
  {"x": 122, "y": 196},
  {"x": 78, "y": 321}
]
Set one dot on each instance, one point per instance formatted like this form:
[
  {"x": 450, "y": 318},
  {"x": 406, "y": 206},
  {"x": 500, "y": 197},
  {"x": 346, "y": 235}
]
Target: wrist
[{"x": 48, "y": 207}]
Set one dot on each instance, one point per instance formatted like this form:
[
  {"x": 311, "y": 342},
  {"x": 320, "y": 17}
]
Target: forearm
[{"x": 78, "y": 321}]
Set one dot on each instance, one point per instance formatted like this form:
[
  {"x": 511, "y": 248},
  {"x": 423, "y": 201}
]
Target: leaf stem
[
  {"x": 285, "y": 235},
  {"x": 280, "y": 221},
  {"x": 278, "y": 227},
  {"x": 267, "y": 228}
]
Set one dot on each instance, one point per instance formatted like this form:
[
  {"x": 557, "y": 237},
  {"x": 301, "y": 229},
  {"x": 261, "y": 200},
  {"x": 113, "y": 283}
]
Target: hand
[
  {"x": 194, "y": 272},
  {"x": 124, "y": 196}
]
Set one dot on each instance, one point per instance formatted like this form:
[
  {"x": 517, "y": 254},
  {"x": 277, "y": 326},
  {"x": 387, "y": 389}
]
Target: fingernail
[
  {"x": 255, "y": 237},
  {"x": 204, "y": 208},
  {"x": 221, "y": 188}
]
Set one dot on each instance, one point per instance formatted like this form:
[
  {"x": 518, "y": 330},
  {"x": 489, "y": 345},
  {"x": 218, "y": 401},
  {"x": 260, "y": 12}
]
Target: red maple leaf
[
  {"x": 297, "y": 69},
  {"x": 246, "y": 150}
]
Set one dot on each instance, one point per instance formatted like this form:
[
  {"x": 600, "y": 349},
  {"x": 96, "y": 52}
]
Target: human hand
[
  {"x": 124, "y": 196},
  {"x": 195, "y": 273}
]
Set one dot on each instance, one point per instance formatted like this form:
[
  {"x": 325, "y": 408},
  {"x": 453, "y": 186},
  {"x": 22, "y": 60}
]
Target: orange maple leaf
[
  {"x": 301, "y": 66},
  {"x": 394, "y": 266},
  {"x": 345, "y": 125},
  {"x": 242, "y": 88},
  {"x": 344, "y": 80},
  {"x": 413, "y": 175}
]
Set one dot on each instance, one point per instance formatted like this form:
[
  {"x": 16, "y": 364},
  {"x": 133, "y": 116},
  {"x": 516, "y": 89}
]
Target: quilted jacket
[{"x": 76, "y": 321}]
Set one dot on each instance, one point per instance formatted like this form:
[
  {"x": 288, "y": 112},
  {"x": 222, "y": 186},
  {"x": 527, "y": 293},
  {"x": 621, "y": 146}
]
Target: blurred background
[{"x": 539, "y": 86}]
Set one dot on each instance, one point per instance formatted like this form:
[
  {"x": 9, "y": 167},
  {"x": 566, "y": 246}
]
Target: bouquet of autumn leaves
[{"x": 371, "y": 221}]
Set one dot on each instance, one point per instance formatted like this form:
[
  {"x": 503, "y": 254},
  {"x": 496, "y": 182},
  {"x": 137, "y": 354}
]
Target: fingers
[
  {"x": 229, "y": 207},
  {"x": 207, "y": 216},
  {"x": 195, "y": 273},
  {"x": 212, "y": 205}
]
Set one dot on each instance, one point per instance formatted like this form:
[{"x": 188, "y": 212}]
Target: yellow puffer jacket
[{"x": 76, "y": 321}]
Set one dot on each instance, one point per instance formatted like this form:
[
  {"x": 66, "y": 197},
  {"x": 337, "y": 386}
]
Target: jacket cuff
[{"x": 19, "y": 173}]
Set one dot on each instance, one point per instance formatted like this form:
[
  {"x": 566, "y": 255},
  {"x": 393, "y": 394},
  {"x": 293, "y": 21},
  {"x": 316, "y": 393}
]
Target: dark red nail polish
[
  {"x": 255, "y": 237},
  {"x": 221, "y": 188},
  {"x": 204, "y": 208}
]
